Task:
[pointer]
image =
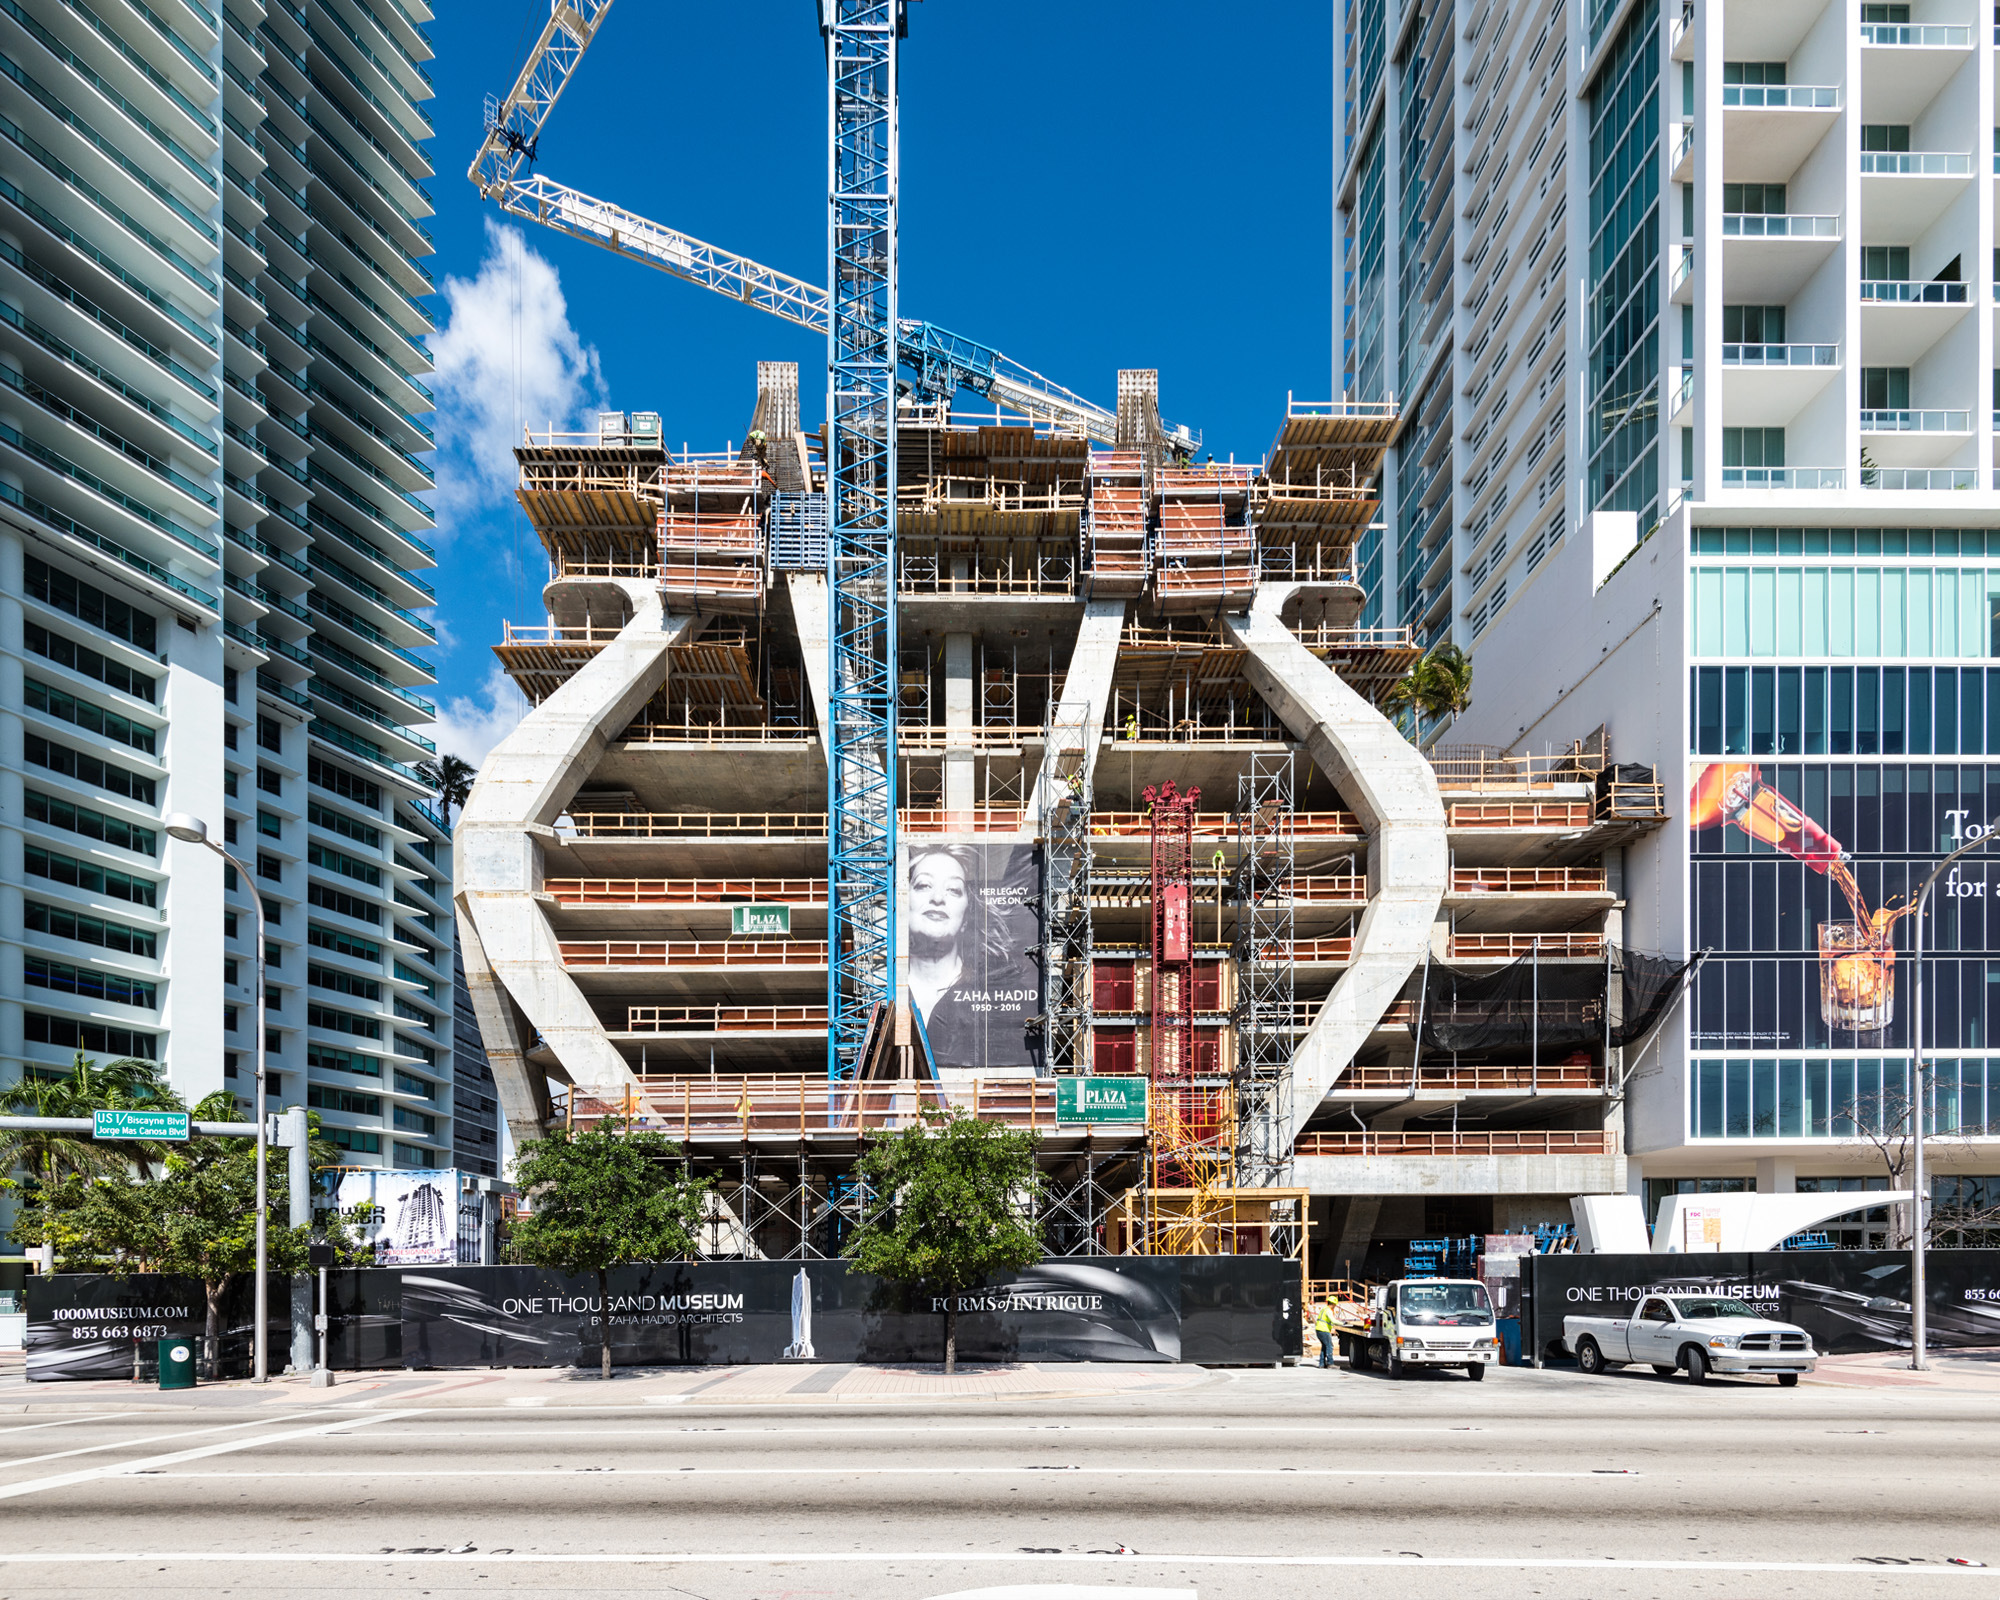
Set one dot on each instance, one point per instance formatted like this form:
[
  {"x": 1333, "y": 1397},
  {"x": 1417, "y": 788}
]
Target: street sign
[
  {"x": 761, "y": 920},
  {"x": 139, "y": 1125},
  {"x": 1101, "y": 1099}
]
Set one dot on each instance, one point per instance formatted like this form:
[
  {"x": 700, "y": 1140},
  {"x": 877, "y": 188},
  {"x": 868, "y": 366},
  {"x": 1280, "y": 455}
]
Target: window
[
  {"x": 1766, "y": 74},
  {"x": 348, "y": 866},
  {"x": 338, "y": 822},
  {"x": 68, "y": 1033},
  {"x": 355, "y": 1105},
  {"x": 86, "y": 662},
  {"x": 106, "y": 881},
  {"x": 89, "y": 604},
  {"x": 1884, "y": 136},
  {"x": 343, "y": 982},
  {"x": 337, "y": 780},
  {"x": 90, "y": 824},
  {"x": 88, "y": 983},
  {"x": 270, "y": 867},
  {"x": 409, "y": 1084},
  {"x": 1876, "y": 11},
  {"x": 1754, "y": 199},
  {"x": 271, "y": 734},
  {"x": 345, "y": 944},
  {"x": 346, "y": 905},
  {"x": 59, "y": 922},
  {"x": 325, "y": 1058},
  {"x": 421, "y": 1122},
  {"x": 1753, "y": 447},
  {"x": 343, "y": 1022},
  {"x": 229, "y": 677},
  {"x": 270, "y": 782},
  {"x": 86, "y": 768},
  {"x": 1751, "y": 324},
  {"x": 229, "y": 830},
  {"x": 355, "y": 1141},
  {"x": 270, "y": 826},
  {"x": 1886, "y": 263},
  {"x": 274, "y": 914},
  {"x": 410, "y": 1156},
  {"x": 1885, "y": 388}
]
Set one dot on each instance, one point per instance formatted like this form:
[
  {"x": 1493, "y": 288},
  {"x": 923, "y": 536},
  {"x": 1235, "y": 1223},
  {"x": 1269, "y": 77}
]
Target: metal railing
[
  {"x": 1780, "y": 97},
  {"x": 1916, "y": 163},
  {"x": 1481, "y": 766},
  {"x": 1897, "y": 420},
  {"x": 1930, "y": 35},
  {"x": 1898, "y": 479},
  {"x": 1780, "y": 355},
  {"x": 1778, "y": 225},
  {"x": 1896, "y": 291},
  {"x": 1784, "y": 477}
]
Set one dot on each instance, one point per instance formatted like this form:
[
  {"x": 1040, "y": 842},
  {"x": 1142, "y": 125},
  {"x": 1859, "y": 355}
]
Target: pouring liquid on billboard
[{"x": 1857, "y": 990}]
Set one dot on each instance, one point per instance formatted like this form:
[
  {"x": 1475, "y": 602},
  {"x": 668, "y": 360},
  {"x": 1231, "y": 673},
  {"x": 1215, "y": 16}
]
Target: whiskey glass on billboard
[{"x": 1857, "y": 976}]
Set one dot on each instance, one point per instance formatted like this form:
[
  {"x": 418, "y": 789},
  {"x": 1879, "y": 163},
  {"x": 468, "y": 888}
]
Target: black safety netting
[{"x": 1540, "y": 1005}]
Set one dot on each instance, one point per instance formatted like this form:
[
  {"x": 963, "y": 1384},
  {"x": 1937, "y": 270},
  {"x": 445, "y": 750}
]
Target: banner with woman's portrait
[{"x": 972, "y": 914}]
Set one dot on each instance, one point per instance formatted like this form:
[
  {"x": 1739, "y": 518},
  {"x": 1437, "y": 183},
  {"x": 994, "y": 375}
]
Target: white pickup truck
[
  {"x": 1694, "y": 1333},
  {"x": 1433, "y": 1322}
]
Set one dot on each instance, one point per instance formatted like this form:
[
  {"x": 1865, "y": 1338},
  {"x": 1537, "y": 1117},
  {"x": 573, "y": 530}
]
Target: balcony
[
  {"x": 1917, "y": 35},
  {"x": 1916, "y": 421},
  {"x": 1891, "y": 292},
  {"x": 1778, "y": 225},
  {"x": 1780, "y": 97},
  {"x": 1770, "y": 129},
  {"x": 1904, "y": 192},
  {"x": 1898, "y": 480},
  {"x": 1781, "y": 355},
  {"x": 1784, "y": 478},
  {"x": 1907, "y": 64},
  {"x": 1916, "y": 164},
  {"x": 1768, "y": 256},
  {"x": 1913, "y": 439}
]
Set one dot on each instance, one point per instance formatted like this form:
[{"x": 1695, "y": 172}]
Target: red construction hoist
[{"x": 1184, "y": 1115}]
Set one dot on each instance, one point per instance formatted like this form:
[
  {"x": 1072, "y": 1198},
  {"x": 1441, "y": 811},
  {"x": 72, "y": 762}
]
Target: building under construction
[{"x": 1151, "y": 826}]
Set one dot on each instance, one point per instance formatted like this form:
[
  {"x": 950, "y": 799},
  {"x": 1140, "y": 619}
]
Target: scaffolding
[
  {"x": 1265, "y": 894},
  {"x": 1068, "y": 953}
]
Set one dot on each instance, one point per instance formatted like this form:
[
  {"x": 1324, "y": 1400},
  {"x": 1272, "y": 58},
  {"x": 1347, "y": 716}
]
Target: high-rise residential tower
[
  {"x": 212, "y": 330},
  {"x": 1710, "y": 350}
]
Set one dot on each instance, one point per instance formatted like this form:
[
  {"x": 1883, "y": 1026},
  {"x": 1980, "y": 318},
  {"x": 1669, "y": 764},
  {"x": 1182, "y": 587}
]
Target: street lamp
[
  {"x": 1919, "y": 1104},
  {"x": 192, "y": 830}
]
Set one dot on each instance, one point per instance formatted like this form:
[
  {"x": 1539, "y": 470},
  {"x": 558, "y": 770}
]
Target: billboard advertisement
[
  {"x": 88, "y": 1325},
  {"x": 409, "y": 1219},
  {"x": 1803, "y": 876},
  {"x": 972, "y": 912}
]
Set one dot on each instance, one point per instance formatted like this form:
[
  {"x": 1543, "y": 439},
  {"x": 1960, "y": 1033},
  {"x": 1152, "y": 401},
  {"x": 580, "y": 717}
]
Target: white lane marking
[
  {"x": 72, "y": 1422},
  {"x": 928, "y": 1469},
  {"x": 941, "y": 1558},
  {"x": 130, "y": 1444},
  {"x": 510, "y": 1428},
  {"x": 9, "y": 1491}
]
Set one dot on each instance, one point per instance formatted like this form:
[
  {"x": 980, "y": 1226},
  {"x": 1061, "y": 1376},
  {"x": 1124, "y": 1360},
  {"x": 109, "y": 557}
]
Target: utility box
[{"x": 176, "y": 1363}]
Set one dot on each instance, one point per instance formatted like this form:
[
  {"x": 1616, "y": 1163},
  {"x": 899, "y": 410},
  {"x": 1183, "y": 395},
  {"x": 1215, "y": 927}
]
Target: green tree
[
  {"x": 602, "y": 1198},
  {"x": 450, "y": 779},
  {"x": 199, "y": 1217},
  {"x": 1437, "y": 687},
  {"x": 954, "y": 1199},
  {"x": 51, "y": 1155}
]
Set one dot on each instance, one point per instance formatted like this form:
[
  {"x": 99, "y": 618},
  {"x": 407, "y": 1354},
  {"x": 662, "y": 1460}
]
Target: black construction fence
[
  {"x": 1848, "y": 1300},
  {"x": 1219, "y": 1310}
]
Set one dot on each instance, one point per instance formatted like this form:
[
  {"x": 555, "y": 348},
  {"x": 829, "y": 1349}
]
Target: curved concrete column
[
  {"x": 513, "y": 963},
  {"x": 1392, "y": 788}
]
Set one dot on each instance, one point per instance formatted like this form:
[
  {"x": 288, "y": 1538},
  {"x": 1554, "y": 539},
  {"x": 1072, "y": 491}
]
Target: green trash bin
[{"x": 177, "y": 1363}]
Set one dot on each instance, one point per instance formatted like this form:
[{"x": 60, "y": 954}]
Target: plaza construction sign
[{"x": 1101, "y": 1099}]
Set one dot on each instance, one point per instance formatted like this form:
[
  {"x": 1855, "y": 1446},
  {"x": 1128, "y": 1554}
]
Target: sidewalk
[
  {"x": 556, "y": 1387},
  {"x": 1962, "y": 1371}
]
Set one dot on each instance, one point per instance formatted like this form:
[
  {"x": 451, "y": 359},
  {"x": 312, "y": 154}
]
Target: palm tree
[
  {"x": 1437, "y": 687},
  {"x": 50, "y": 1154},
  {"x": 451, "y": 780}
]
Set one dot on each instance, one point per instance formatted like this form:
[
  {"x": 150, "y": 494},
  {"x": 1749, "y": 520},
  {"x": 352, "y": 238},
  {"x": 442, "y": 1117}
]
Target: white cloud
[
  {"x": 470, "y": 725},
  {"x": 506, "y": 357}
]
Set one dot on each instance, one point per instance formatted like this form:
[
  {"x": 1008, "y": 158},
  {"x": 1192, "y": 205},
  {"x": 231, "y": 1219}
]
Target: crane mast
[{"x": 861, "y": 45}]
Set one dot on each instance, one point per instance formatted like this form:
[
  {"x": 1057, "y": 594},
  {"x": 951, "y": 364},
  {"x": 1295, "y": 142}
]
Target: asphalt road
[{"x": 1264, "y": 1485}]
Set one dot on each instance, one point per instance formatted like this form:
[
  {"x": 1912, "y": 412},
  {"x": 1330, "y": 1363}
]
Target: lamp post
[
  {"x": 1919, "y": 1105},
  {"x": 192, "y": 830}
]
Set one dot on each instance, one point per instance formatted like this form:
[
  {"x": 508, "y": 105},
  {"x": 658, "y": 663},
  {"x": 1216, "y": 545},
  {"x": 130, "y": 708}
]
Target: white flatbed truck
[{"x": 1430, "y": 1322}]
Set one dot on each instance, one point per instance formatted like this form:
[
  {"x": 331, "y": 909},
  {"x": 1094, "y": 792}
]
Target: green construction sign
[
  {"x": 1101, "y": 1099},
  {"x": 139, "y": 1124},
  {"x": 761, "y": 920}
]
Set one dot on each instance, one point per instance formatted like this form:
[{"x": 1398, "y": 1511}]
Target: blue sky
[{"x": 1119, "y": 185}]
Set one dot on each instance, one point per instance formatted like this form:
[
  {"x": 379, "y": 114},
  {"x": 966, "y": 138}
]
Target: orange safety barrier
[
  {"x": 1489, "y": 946},
  {"x": 747, "y": 1107},
  {"x": 694, "y": 952},
  {"x": 698, "y": 824},
  {"x": 1393, "y": 1080},
  {"x": 1521, "y": 814},
  {"x": 725, "y": 1019},
  {"x": 965, "y": 819},
  {"x": 1524, "y": 1142},
  {"x": 1527, "y": 880},
  {"x": 685, "y": 891}
]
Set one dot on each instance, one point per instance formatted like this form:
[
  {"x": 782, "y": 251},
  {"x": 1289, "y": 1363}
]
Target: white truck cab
[
  {"x": 1692, "y": 1333},
  {"x": 1437, "y": 1322}
]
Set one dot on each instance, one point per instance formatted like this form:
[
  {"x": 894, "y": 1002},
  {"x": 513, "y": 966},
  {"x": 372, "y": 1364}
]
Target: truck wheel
[
  {"x": 1589, "y": 1359},
  {"x": 1476, "y": 1371},
  {"x": 1666, "y": 1372},
  {"x": 1788, "y": 1380},
  {"x": 1697, "y": 1363},
  {"x": 1357, "y": 1355},
  {"x": 1394, "y": 1366}
]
